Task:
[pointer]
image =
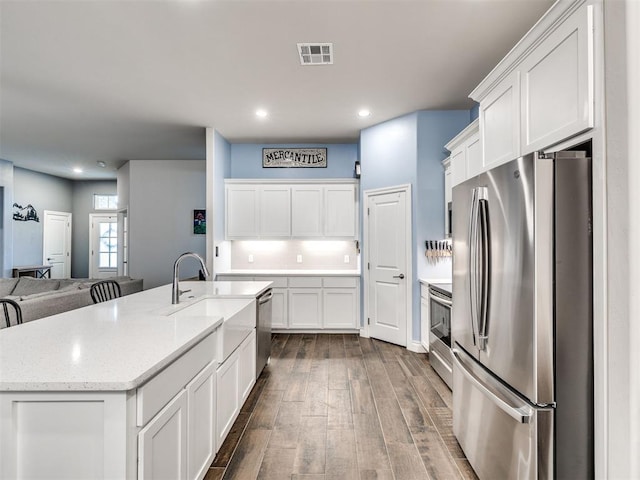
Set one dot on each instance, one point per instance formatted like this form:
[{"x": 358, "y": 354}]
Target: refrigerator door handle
[
  {"x": 473, "y": 264},
  {"x": 504, "y": 401},
  {"x": 485, "y": 262}
]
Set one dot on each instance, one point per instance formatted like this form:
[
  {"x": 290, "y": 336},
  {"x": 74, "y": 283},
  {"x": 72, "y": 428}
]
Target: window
[
  {"x": 105, "y": 201},
  {"x": 108, "y": 252}
]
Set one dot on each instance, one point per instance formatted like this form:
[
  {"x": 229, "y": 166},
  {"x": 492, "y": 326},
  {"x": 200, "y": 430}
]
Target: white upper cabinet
[
  {"x": 539, "y": 95},
  {"x": 458, "y": 166},
  {"x": 241, "y": 218},
  {"x": 557, "y": 85},
  {"x": 306, "y": 211},
  {"x": 473, "y": 154},
  {"x": 340, "y": 211},
  {"x": 275, "y": 211},
  {"x": 465, "y": 153},
  {"x": 448, "y": 192},
  {"x": 500, "y": 125}
]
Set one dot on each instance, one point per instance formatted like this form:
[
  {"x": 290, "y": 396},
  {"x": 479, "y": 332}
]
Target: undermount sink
[{"x": 239, "y": 318}]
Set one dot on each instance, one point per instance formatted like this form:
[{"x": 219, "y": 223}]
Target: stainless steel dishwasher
[{"x": 263, "y": 331}]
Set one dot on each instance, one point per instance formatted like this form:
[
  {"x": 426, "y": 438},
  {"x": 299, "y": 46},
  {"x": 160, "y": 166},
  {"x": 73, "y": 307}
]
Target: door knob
[{"x": 401, "y": 276}]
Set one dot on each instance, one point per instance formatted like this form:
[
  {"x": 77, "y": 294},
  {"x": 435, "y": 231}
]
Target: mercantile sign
[{"x": 294, "y": 157}]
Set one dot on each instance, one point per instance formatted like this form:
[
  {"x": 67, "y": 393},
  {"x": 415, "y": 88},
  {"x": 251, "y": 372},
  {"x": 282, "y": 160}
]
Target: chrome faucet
[{"x": 175, "y": 290}]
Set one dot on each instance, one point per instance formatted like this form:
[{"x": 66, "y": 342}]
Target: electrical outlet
[
  {"x": 346, "y": 259},
  {"x": 250, "y": 258},
  {"x": 299, "y": 258}
]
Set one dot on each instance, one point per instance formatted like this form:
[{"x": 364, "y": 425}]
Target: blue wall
[
  {"x": 44, "y": 192},
  {"x": 246, "y": 162},
  {"x": 474, "y": 112},
  {"x": 435, "y": 129},
  {"x": 408, "y": 150},
  {"x": 388, "y": 153}
]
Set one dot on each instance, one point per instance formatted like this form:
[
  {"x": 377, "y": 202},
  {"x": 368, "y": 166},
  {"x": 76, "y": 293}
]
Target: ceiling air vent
[{"x": 315, "y": 53}]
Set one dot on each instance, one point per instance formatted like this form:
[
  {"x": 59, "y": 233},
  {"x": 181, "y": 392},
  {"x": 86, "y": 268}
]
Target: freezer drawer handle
[{"x": 515, "y": 413}]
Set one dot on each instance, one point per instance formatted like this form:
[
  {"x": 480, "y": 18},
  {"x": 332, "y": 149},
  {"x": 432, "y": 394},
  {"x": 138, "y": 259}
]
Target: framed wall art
[
  {"x": 294, "y": 158},
  {"x": 199, "y": 222}
]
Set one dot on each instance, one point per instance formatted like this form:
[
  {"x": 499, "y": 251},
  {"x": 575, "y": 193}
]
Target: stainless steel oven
[{"x": 440, "y": 331}]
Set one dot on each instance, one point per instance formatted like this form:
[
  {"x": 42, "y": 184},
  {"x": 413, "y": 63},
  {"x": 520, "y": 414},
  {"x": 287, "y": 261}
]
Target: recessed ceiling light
[
  {"x": 77, "y": 170},
  {"x": 364, "y": 113},
  {"x": 261, "y": 113},
  {"x": 101, "y": 164}
]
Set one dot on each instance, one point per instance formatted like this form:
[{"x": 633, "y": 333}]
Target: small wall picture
[
  {"x": 25, "y": 214},
  {"x": 199, "y": 222}
]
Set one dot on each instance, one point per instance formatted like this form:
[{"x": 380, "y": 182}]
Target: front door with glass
[{"x": 103, "y": 254}]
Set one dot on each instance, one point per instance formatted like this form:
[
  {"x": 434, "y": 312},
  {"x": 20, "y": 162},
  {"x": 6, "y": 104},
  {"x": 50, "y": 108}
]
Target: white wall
[
  {"x": 162, "y": 196},
  {"x": 6, "y": 221}
]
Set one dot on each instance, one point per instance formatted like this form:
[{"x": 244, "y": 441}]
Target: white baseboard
[
  {"x": 416, "y": 347},
  {"x": 315, "y": 330}
]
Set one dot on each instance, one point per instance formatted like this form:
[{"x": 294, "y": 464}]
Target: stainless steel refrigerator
[{"x": 522, "y": 319}]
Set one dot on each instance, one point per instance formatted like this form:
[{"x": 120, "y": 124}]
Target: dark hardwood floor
[{"x": 343, "y": 407}]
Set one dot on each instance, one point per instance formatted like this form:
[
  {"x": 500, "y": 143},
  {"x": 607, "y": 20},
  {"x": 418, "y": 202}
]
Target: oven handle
[{"x": 440, "y": 300}]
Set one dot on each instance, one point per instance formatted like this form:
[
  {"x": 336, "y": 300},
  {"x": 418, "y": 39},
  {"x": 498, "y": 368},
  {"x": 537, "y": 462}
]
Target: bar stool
[
  {"x": 12, "y": 311},
  {"x": 105, "y": 290}
]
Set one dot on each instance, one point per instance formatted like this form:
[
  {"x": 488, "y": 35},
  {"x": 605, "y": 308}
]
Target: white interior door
[
  {"x": 103, "y": 251},
  {"x": 388, "y": 232},
  {"x": 56, "y": 243}
]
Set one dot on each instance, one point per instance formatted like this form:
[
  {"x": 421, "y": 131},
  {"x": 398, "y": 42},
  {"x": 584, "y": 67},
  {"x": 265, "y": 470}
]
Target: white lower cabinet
[
  {"x": 311, "y": 303},
  {"x": 339, "y": 306},
  {"x": 227, "y": 399},
  {"x": 305, "y": 307},
  {"x": 424, "y": 317},
  {"x": 279, "y": 303},
  {"x": 235, "y": 378},
  {"x": 247, "y": 366},
  {"x": 340, "y": 303},
  {"x": 162, "y": 443},
  {"x": 179, "y": 440},
  {"x": 201, "y": 412}
]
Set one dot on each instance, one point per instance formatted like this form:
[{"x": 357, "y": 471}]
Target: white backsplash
[{"x": 293, "y": 254}]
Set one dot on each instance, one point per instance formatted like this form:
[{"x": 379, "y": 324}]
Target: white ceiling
[{"x": 105, "y": 80}]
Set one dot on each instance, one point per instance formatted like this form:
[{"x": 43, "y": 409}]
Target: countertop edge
[{"x": 427, "y": 281}]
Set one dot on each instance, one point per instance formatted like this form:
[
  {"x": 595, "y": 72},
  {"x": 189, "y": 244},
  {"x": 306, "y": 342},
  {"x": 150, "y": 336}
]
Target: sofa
[{"x": 42, "y": 297}]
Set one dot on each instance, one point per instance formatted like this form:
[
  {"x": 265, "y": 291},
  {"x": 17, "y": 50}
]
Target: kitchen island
[{"x": 126, "y": 388}]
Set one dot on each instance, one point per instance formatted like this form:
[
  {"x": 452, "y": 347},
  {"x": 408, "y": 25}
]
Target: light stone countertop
[
  {"x": 116, "y": 345},
  {"x": 292, "y": 273}
]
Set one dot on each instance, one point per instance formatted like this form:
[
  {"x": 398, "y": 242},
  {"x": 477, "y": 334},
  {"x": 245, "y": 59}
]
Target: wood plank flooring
[{"x": 343, "y": 407}]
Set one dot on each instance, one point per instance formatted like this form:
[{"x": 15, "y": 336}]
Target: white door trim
[{"x": 406, "y": 188}]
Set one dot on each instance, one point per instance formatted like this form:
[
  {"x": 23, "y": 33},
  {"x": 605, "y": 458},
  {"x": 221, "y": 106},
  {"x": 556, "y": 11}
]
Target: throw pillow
[{"x": 7, "y": 285}]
